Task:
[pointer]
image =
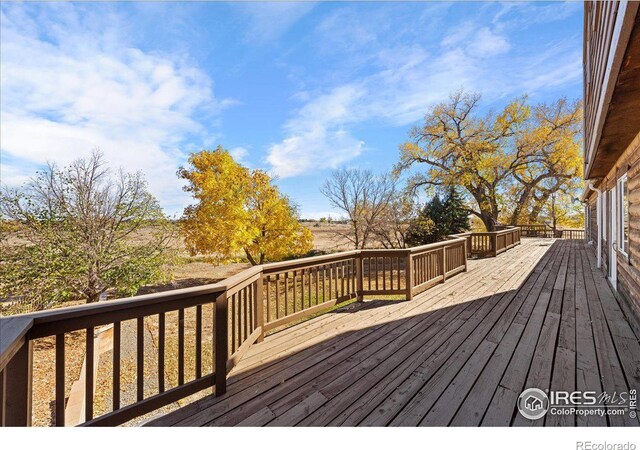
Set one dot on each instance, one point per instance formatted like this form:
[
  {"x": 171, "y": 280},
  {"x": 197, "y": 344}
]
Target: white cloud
[
  {"x": 313, "y": 149},
  {"x": 399, "y": 77},
  {"x": 488, "y": 43},
  {"x": 239, "y": 154},
  {"x": 316, "y": 138},
  {"x": 268, "y": 21},
  {"x": 68, "y": 88}
]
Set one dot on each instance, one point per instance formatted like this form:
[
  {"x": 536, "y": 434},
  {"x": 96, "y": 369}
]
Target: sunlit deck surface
[{"x": 539, "y": 315}]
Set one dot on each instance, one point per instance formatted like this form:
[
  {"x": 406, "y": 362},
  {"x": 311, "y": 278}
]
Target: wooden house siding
[{"x": 628, "y": 269}]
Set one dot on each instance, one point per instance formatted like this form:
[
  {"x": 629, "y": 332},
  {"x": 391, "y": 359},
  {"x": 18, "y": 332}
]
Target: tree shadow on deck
[{"x": 413, "y": 362}]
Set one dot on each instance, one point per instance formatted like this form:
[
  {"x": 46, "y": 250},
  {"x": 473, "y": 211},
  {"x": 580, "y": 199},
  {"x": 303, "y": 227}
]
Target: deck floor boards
[{"x": 539, "y": 315}]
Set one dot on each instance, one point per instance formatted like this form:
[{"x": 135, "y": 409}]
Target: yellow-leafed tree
[
  {"x": 507, "y": 164},
  {"x": 238, "y": 211}
]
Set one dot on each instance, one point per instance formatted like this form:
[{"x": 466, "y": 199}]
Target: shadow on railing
[{"x": 237, "y": 311}]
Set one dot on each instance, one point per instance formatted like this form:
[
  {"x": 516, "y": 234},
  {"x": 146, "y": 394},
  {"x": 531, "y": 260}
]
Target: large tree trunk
[
  {"x": 537, "y": 207},
  {"x": 488, "y": 209},
  {"x": 521, "y": 204},
  {"x": 489, "y": 221},
  {"x": 250, "y": 258},
  {"x": 92, "y": 292}
]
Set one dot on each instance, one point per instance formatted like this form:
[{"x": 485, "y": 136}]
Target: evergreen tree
[{"x": 438, "y": 219}]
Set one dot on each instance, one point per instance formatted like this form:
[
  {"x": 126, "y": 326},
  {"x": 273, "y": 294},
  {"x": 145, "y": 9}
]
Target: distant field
[{"x": 195, "y": 271}]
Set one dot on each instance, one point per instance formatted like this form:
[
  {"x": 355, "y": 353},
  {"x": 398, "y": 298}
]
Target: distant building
[{"x": 612, "y": 144}]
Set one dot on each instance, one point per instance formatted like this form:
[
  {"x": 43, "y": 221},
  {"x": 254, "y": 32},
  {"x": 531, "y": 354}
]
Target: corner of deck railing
[{"x": 16, "y": 362}]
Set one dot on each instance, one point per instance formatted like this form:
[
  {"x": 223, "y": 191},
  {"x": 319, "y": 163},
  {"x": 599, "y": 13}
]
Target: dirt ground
[{"x": 193, "y": 271}]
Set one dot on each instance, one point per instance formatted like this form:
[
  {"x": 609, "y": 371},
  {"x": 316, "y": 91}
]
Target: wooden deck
[{"x": 540, "y": 315}]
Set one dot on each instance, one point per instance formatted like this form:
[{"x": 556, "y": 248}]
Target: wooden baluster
[
  {"x": 309, "y": 285},
  {"x": 317, "y": 284},
  {"x": 368, "y": 273},
  {"x": 397, "y": 272},
  {"x": 250, "y": 305},
  {"x": 237, "y": 300},
  {"x": 376, "y": 267},
  {"x": 260, "y": 306},
  {"x": 391, "y": 258},
  {"x": 268, "y": 300},
  {"x": 116, "y": 366},
  {"x": 60, "y": 380},
  {"x": 277, "y": 296},
  {"x": 198, "y": 341},
  {"x": 359, "y": 278},
  {"x": 161, "y": 338},
  {"x": 324, "y": 283},
  {"x": 330, "y": 268},
  {"x": 180, "y": 346},
  {"x": 353, "y": 275},
  {"x": 140, "y": 358},
  {"x": 295, "y": 294},
  {"x": 88, "y": 379},
  {"x": 384, "y": 273},
  {"x": 286, "y": 294},
  {"x": 342, "y": 277},
  {"x": 302, "y": 288},
  {"x": 233, "y": 304},
  {"x": 245, "y": 316}
]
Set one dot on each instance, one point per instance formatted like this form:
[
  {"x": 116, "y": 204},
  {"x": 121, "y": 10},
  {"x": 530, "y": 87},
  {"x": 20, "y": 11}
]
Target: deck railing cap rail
[
  {"x": 12, "y": 332},
  {"x": 311, "y": 260},
  {"x": 92, "y": 309},
  {"x": 436, "y": 245}
]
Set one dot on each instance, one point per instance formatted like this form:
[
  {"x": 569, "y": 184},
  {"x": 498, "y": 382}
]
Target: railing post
[
  {"x": 260, "y": 307},
  {"x": 494, "y": 244},
  {"x": 409, "y": 275},
  {"x": 222, "y": 345},
  {"x": 17, "y": 386},
  {"x": 464, "y": 247},
  {"x": 359, "y": 279},
  {"x": 444, "y": 264}
]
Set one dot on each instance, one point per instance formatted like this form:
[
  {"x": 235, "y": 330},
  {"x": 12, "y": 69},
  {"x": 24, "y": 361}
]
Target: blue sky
[{"x": 297, "y": 89}]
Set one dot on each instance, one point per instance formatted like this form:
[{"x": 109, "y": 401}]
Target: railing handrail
[
  {"x": 308, "y": 261},
  {"x": 436, "y": 245}
]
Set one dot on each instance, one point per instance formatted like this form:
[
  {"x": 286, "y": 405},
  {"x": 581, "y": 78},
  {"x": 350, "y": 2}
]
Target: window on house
[{"x": 623, "y": 215}]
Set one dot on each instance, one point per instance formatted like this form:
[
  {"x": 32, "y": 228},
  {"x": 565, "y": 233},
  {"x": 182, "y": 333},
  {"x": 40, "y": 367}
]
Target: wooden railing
[
  {"x": 542, "y": 230},
  {"x": 491, "y": 243},
  {"x": 571, "y": 233},
  {"x": 535, "y": 230},
  {"x": 236, "y": 312}
]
